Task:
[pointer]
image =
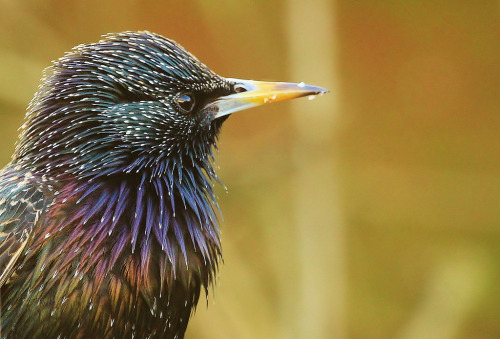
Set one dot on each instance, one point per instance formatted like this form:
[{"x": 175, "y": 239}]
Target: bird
[{"x": 109, "y": 223}]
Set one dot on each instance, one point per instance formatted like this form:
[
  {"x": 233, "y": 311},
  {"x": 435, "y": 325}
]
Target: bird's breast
[{"x": 113, "y": 257}]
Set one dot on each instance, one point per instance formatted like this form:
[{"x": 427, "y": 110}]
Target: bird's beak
[{"x": 255, "y": 93}]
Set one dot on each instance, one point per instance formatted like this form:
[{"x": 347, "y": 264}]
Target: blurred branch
[{"x": 317, "y": 215}]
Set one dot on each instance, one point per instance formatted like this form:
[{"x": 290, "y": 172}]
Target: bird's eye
[{"x": 186, "y": 102}]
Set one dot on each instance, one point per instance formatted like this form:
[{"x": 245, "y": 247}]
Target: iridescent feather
[{"x": 108, "y": 221}]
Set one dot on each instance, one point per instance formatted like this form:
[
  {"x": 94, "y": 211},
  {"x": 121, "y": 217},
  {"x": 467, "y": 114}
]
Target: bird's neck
[{"x": 169, "y": 221}]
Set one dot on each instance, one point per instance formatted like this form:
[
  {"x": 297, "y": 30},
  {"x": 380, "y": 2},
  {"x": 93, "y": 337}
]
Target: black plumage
[{"x": 108, "y": 219}]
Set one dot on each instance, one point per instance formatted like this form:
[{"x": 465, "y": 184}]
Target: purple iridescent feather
[{"x": 115, "y": 223}]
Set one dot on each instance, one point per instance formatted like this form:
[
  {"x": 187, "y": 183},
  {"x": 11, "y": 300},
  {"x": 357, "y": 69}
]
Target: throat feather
[{"x": 144, "y": 220}]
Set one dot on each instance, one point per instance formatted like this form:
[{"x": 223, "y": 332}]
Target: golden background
[{"x": 370, "y": 212}]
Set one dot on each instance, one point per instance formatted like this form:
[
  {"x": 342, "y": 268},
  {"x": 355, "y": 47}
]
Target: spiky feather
[{"x": 108, "y": 215}]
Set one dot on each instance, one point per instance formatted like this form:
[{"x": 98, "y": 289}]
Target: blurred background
[{"x": 370, "y": 212}]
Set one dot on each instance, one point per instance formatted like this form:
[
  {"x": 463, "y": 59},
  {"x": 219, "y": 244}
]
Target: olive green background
[{"x": 370, "y": 212}]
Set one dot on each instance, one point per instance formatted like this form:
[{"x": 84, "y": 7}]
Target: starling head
[
  {"x": 131, "y": 102},
  {"x": 134, "y": 101}
]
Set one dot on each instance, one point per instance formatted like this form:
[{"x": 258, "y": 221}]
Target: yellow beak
[{"x": 255, "y": 93}]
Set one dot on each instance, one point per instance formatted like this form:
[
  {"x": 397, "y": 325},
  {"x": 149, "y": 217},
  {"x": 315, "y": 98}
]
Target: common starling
[{"x": 108, "y": 218}]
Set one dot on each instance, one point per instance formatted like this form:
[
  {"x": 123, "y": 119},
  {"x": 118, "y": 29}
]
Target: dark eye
[{"x": 186, "y": 102}]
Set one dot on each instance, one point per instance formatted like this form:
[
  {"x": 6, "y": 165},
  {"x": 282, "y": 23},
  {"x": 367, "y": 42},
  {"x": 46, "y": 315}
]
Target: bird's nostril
[{"x": 239, "y": 89}]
